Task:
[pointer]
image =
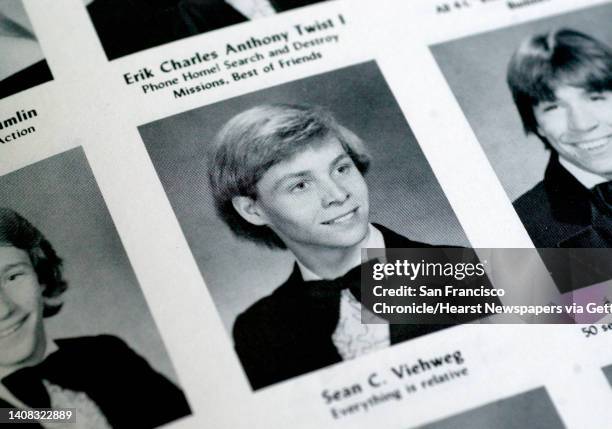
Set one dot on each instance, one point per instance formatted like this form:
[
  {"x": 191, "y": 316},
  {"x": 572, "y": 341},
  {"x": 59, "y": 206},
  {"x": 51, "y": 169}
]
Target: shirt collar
[
  {"x": 52, "y": 347},
  {"x": 586, "y": 178},
  {"x": 253, "y": 9},
  {"x": 375, "y": 240}
]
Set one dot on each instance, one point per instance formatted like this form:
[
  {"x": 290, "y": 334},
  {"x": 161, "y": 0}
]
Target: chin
[
  {"x": 26, "y": 353},
  {"x": 352, "y": 237},
  {"x": 602, "y": 170},
  {"x": 18, "y": 358}
]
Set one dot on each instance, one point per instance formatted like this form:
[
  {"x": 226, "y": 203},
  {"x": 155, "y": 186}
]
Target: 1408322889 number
[{"x": 37, "y": 415}]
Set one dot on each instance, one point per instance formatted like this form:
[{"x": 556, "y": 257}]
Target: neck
[
  {"x": 37, "y": 357},
  {"x": 329, "y": 263},
  {"x": 8, "y": 370},
  {"x": 587, "y": 178}
]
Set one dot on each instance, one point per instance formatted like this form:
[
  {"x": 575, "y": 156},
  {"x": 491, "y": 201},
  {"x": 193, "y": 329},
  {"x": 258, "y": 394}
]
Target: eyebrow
[
  {"x": 305, "y": 173},
  {"x": 14, "y": 265},
  {"x": 340, "y": 158}
]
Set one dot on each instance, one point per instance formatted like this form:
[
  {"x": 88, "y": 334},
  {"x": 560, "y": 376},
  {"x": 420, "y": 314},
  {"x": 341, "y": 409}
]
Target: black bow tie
[
  {"x": 332, "y": 288},
  {"x": 603, "y": 196}
]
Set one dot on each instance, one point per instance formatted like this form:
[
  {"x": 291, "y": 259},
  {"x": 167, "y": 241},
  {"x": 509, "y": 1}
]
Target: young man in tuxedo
[
  {"x": 95, "y": 375},
  {"x": 291, "y": 177},
  {"x": 561, "y": 83}
]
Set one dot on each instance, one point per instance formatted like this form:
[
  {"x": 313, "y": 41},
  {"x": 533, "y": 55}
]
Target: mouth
[
  {"x": 5, "y": 332},
  {"x": 593, "y": 145},
  {"x": 347, "y": 217}
]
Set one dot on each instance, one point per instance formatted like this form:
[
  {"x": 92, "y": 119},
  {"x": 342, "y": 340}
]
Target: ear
[
  {"x": 52, "y": 304},
  {"x": 55, "y": 301},
  {"x": 249, "y": 210}
]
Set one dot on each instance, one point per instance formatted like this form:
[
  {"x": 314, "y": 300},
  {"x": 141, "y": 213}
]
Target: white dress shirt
[
  {"x": 587, "y": 178},
  {"x": 252, "y": 9}
]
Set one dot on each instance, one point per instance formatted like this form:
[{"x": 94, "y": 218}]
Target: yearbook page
[{"x": 196, "y": 196}]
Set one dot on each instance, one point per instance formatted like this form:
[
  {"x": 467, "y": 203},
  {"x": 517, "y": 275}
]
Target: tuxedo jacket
[
  {"x": 206, "y": 15},
  {"x": 289, "y": 332},
  {"x": 560, "y": 212},
  {"x": 128, "y": 26},
  {"x": 27, "y": 78},
  {"x": 122, "y": 384}
]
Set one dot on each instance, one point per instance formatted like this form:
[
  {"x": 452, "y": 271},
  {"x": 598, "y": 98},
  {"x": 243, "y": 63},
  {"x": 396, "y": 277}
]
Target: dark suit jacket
[
  {"x": 27, "y": 78},
  {"x": 123, "y": 385},
  {"x": 289, "y": 332},
  {"x": 128, "y": 26},
  {"x": 560, "y": 212}
]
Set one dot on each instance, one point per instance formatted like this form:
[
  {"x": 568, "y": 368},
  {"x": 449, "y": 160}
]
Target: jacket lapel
[{"x": 570, "y": 204}]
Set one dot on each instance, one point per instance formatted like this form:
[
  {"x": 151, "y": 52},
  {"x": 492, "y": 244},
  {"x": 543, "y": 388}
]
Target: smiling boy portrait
[
  {"x": 291, "y": 177},
  {"x": 561, "y": 83},
  {"x": 75, "y": 329},
  {"x": 277, "y": 192},
  {"x": 537, "y": 95}
]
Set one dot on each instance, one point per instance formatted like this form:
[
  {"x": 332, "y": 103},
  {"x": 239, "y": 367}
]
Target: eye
[
  {"x": 298, "y": 187},
  {"x": 597, "y": 96},
  {"x": 13, "y": 276},
  {"x": 549, "y": 107},
  {"x": 344, "y": 168}
]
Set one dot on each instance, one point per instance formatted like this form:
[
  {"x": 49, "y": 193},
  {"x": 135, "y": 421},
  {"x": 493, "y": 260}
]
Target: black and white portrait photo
[
  {"x": 128, "y": 26},
  {"x": 23, "y": 65},
  {"x": 539, "y": 99},
  {"x": 75, "y": 330},
  {"x": 277, "y": 192}
]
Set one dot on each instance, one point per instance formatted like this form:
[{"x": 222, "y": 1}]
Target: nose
[
  {"x": 333, "y": 193},
  {"x": 7, "y": 306},
  {"x": 581, "y": 120}
]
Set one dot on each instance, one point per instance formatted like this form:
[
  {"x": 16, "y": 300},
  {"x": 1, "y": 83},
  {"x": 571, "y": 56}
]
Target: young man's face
[
  {"x": 578, "y": 125},
  {"x": 318, "y": 198},
  {"x": 22, "y": 334}
]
